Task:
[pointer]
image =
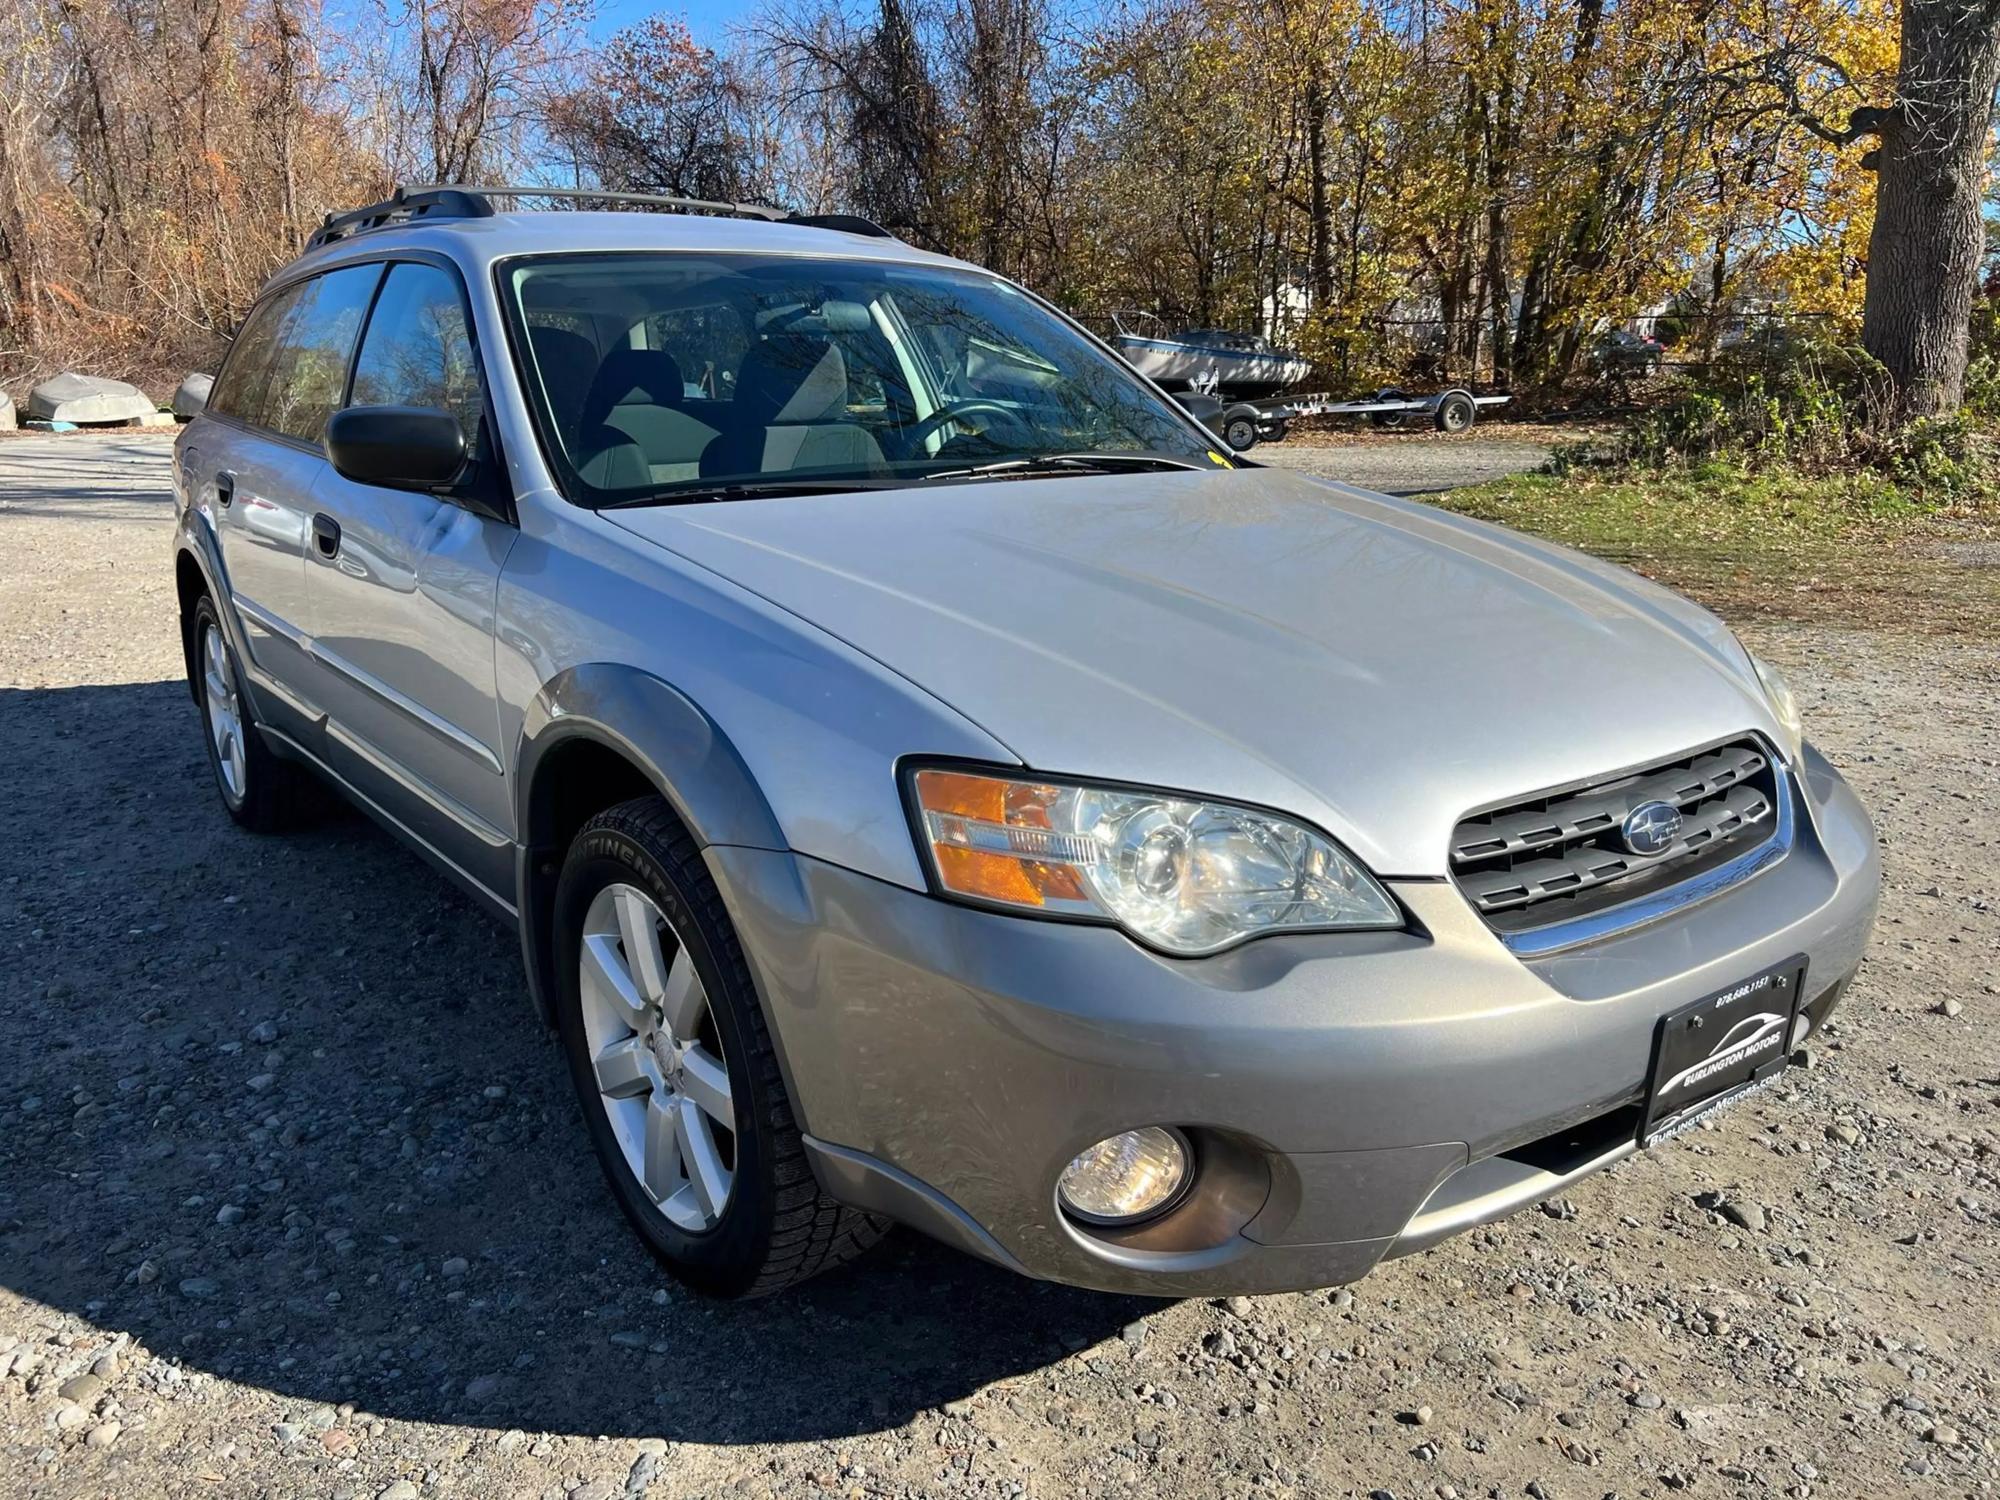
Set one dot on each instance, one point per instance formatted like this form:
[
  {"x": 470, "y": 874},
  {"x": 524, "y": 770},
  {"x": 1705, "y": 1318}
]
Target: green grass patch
[{"x": 1852, "y": 547}]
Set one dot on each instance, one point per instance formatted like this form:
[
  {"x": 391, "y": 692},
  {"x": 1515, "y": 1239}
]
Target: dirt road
[
  {"x": 294, "y": 1199},
  {"x": 1412, "y": 463}
]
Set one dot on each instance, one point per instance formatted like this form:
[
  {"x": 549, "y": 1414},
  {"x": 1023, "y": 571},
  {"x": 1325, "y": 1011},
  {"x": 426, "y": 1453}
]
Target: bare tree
[
  {"x": 465, "y": 90},
  {"x": 657, "y": 112}
]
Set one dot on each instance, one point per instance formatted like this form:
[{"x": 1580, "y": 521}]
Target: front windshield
[{"x": 669, "y": 375}]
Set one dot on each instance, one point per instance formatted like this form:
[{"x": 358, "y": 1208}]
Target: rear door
[
  {"x": 262, "y": 458},
  {"x": 402, "y": 602},
  {"x": 257, "y": 488}
]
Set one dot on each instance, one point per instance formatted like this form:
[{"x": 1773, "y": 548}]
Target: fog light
[{"x": 1127, "y": 1177}]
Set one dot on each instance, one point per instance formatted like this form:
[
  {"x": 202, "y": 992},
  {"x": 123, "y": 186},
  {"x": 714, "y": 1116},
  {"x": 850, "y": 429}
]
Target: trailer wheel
[
  {"x": 1239, "y": 430},
  {"x": 1389, "y": 421},
  {"x": 1456, "y": 411},
  {"x": 1280, "y": 430}
]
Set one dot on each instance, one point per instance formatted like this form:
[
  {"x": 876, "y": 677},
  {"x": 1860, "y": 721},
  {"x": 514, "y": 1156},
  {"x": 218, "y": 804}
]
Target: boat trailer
[{"x": 1243, "y": 424}]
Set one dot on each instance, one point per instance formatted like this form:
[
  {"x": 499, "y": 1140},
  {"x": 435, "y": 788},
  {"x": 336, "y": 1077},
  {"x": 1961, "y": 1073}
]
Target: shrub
[{"x": 1808, "y": 405}]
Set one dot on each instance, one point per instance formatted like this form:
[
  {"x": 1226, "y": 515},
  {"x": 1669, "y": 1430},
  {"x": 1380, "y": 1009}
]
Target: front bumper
[{"x": 1353, "y": 1096}]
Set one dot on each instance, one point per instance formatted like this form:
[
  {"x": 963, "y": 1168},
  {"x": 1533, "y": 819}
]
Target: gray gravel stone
[{"x": 399, "y": 1005}]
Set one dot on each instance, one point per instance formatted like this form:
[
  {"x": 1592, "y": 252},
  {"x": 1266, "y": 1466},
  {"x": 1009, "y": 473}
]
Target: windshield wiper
[
  {"x": 1068, "y": 463},
  {"x": 750, "y": 489}
]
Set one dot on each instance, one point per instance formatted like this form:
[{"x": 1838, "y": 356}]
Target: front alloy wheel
[
  {"x": 661, "y": 1077},
  {"x": 674, "y": 1065}
]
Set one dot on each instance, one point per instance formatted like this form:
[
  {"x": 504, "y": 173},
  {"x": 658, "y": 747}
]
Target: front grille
[{"x": 1562, "y": 854}]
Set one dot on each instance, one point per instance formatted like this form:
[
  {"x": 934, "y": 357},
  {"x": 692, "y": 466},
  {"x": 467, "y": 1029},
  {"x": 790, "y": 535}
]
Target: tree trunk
[
  {"x": 1319, "y": 228},
  {"x": 1924, "y": 251},
  {"x": 1498, "y": 111}
]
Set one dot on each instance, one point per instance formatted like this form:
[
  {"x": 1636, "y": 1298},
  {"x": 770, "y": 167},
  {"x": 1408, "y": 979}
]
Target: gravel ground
[{"x": 294, "y": 1200}]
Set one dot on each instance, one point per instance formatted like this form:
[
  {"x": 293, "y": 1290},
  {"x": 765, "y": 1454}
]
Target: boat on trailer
[{"x": 1211, "y": 360}]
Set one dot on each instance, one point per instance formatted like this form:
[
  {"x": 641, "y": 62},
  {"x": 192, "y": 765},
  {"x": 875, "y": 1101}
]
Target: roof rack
[
  {"x": 459, "y": 201},
  {"x": 404, "y": 204}
]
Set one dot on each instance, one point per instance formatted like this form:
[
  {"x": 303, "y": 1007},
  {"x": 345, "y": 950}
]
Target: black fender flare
[{"x": 659, "y": 730}]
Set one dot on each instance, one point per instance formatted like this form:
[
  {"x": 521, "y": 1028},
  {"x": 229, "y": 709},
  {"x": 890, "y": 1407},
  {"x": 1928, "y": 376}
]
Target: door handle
[
  {"x": 225, "y": 489},
  {"x": 326, "y": 534}
]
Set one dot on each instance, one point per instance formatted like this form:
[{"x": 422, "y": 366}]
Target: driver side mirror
[{"x": 396, "y": 447}]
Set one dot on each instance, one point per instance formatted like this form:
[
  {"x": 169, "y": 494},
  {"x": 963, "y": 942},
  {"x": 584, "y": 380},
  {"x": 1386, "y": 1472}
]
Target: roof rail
[
  {"x": 465, "y": 201},
  {"x": 403, "y": 204}
]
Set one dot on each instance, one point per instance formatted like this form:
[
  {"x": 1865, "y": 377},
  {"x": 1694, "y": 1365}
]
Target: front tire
[{"x": 675, "y": 1069}]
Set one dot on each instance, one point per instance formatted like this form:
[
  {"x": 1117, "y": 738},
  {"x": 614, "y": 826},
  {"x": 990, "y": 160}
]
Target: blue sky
[{"x": 707, "y": 19}]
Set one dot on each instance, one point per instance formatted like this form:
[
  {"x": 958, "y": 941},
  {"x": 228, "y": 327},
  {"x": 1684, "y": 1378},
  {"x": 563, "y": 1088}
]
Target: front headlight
[
  {"x": 1783, "y": 705},
  {"x": 1185, "y": 875}
]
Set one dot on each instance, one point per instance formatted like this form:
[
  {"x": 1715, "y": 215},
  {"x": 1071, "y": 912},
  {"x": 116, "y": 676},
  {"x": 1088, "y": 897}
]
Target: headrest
[
  {"x": 643, "y": 377},
  {"x": 791, "y": 378}
]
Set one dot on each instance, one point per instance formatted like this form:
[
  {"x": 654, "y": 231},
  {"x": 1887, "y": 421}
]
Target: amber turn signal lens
[{"x": 984, "y": 834}]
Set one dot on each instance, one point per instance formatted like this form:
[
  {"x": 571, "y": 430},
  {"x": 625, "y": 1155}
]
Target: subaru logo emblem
[{"x": 1651, "y": 827}]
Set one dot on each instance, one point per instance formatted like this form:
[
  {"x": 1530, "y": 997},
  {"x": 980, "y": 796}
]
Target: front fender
[
  {"x": 661, "y": 731},
  {"x": 656, "y": 728}
]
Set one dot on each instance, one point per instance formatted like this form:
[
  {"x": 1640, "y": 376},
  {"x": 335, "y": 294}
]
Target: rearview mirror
[{"x": 398, "y": 447}]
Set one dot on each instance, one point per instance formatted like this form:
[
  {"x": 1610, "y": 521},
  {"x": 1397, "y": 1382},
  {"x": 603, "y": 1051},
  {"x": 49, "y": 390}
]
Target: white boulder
[{"x": 88, "y": 399}]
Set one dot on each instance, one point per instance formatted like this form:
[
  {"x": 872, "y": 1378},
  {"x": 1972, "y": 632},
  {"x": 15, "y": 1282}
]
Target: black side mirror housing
[{"x": 397, "y": 447}]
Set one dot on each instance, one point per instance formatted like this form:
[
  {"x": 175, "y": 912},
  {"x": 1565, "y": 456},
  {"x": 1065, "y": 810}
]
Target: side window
[
  {"x": 309, "y": 370},
  {"x": 239, "y": 389},
  {"x": 417, "y": 350}
]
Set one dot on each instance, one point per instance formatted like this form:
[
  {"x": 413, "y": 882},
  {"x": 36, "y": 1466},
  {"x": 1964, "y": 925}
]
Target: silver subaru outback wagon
[{"x": 933, "y": 783}]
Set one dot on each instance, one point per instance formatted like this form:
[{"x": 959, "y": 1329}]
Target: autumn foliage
[{"x": 1438, "y": 188}]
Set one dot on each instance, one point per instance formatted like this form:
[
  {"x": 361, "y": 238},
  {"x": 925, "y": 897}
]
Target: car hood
[{"x": 1374, "y": 666}]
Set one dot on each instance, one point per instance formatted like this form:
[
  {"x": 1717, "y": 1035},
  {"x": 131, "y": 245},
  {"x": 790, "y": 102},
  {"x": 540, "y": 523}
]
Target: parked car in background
[
  {"x": 1623, "y": 352},
  {"x": 931, "y": 782}
]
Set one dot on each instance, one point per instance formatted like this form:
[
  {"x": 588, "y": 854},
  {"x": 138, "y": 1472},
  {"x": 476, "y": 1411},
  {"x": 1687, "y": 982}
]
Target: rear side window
[
  {"x": 709, "y": 344},
  {"x": 418, "y": 351},
  {"x": 309, "y": 370},
  {"x": 246, "y": 374}
]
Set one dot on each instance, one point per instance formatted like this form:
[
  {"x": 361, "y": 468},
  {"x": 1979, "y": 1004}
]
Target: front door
[{"x": 402, "y": 590}]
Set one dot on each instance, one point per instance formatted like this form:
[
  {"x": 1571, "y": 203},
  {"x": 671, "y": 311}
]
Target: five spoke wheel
[
  {"x": 225, "y": 714},
  {"x": 661, "y": 1075}
]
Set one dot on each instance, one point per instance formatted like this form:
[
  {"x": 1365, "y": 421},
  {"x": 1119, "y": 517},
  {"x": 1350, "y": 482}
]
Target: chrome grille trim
[
  {"x": 1589, "y": 813},
  {"x": 1537, "y": 880},
  {"x": 1554, "y": 869},
  {"x": 1537, "y": 942}
]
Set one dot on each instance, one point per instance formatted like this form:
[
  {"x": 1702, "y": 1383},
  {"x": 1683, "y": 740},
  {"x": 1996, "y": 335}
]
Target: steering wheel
[{"x": 916, "y": 434}]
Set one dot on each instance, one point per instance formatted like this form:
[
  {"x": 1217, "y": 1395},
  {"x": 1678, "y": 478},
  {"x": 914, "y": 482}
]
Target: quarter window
[
  {"x": 246, "y": 374},
  {"x": 418, "y": 351}
]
